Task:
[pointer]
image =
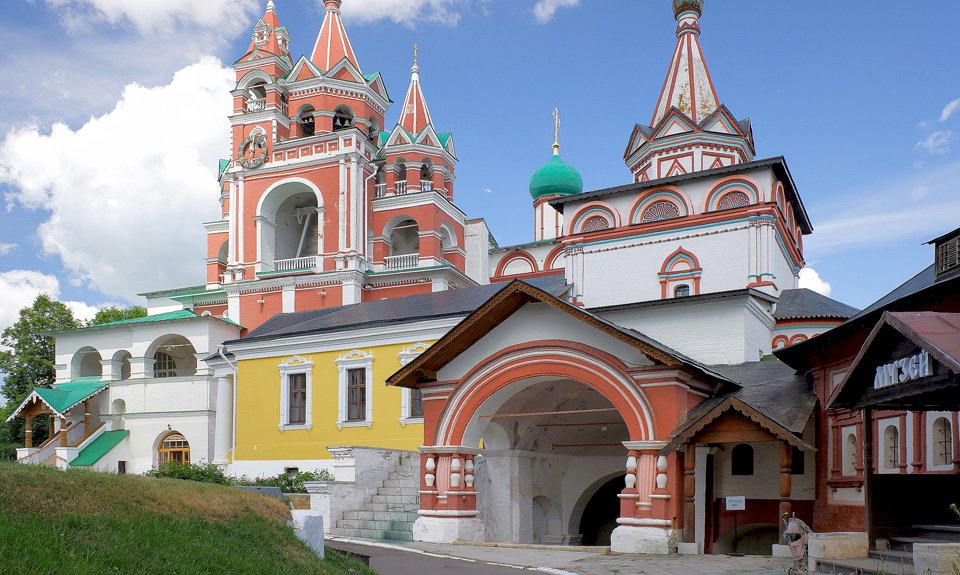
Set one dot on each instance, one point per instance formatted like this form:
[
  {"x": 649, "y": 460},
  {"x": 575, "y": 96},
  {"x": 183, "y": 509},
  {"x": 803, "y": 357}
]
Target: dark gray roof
[
  {"x": 778, "y": 164},
  {"x": 805, "y": 303},
  {"x": 771, "y": 387},
  {"x": 459, "y": 302}
]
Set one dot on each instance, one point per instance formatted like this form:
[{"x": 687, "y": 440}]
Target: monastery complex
[{"x": 645, "y": 373}]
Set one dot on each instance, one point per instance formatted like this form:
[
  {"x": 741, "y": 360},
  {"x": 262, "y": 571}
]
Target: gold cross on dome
[{"x": 556, "y": 130}]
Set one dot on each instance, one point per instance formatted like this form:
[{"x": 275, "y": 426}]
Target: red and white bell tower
[{"x": 320, "y": 207}]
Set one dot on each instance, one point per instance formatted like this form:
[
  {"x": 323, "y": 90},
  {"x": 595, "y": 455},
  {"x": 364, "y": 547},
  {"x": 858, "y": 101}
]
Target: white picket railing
[
  {"x": 381, "y": 190},
  {"x": 426, "y": 185},
  {"x": 306, "y": 262},
  {"x": 258, "y": 105},
  {"x": 401, "y": 187},
  {"x": 404, "y": 262}
]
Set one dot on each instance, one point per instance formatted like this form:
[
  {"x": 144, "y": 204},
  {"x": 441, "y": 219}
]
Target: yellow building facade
[{"x": 263, "y": 435}]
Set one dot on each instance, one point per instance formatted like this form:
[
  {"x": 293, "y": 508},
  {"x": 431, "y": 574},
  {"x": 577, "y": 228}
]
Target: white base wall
[
  {"x": 447, "y": 529},
  {"x": 646, "y": 539},
  {"x": 273, "y": 467}
]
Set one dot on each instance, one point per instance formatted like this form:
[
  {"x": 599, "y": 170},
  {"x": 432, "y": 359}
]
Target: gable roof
[
  {"x": 771, "y": 394},
  {"x": 937, "y": 333},
  {"x": 64, "y": 396},
  {"x": 805, "y": 303},
  {"x": 450, "y": 303},
  {"x": 505, "y": 303}
]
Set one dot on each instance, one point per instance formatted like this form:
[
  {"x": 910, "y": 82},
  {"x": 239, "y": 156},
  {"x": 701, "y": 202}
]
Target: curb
[{"x": 392, "y": 547}]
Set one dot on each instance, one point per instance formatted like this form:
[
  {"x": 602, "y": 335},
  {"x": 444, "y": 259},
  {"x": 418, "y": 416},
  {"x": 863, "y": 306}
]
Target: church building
[{"x": 610, "y": 382}]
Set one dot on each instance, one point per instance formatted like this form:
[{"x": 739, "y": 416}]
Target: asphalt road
[{"x": 394, "y": 562}]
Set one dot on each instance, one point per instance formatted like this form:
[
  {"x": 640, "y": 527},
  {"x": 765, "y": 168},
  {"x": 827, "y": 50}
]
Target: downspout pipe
[{"x": 221, "y": 349}]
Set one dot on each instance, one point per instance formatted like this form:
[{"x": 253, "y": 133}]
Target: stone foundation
[
  {"x": 936, "y": 558},
  {"x": 448, "y": 529},
  {"x": 848, "y": 545},
  {"x": 646, "y": 539}
]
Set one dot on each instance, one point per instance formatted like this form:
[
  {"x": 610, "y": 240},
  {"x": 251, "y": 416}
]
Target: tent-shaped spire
[
  {"x": 332, "y": 45},
  {"x": 688, "y": 86},
  {"x": 415, "y": 115},
  {"x": 268, "y": 35}
]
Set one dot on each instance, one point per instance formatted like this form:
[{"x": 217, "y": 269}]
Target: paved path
[{"x": 395, "y": 558}]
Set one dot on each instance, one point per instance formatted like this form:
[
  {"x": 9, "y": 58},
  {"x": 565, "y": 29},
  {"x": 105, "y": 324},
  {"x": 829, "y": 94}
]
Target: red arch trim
[
  {"x": 505, "y": 261},
  {"x": 590, "y": 366}
]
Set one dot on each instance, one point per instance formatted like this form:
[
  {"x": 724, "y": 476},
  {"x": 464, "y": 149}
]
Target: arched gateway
[{"x": 543, "y": 424}]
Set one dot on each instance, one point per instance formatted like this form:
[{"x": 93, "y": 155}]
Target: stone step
[
  {"x": 906, "y": 543},
  {"x": 373, "y": 534},
  {"x": 863, "y": 567},
  {"x": 893, "y": 557},
  {"x": 390, "y": 507},
  {"x": 360, "y": 515},
  {"x": 375, "y": 525},
  {"x": 402, "y": 499},
  {"x": 399, "y": 484},
  {"x": 397, "y": 491},
  {"x": 945, "y": 533}
]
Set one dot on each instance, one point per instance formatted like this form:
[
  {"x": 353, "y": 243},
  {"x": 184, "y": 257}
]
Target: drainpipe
[
  {"x": 233, "y": 439},
  {"x": 366, "y": 184}
]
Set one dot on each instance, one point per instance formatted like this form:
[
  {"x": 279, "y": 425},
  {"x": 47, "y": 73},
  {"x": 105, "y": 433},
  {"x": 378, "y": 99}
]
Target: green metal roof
[
  {"x": 99, "y": 447},
  {"x": 170, "y": 315},
  {"x": 556, "y": 178},
  {"x": 224, "y": 164},
  {"x": 444, "y": 138},
  {"x": 65, "y": 396}
]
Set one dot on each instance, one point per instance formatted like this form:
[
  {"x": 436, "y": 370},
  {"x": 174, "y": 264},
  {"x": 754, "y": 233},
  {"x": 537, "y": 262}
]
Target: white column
[
  {"x": 342, "y": 208},
  {"x": 232, "y": 255},
  {"x": 354, "y": 205},
  {"x": 241, "y": 254},
  {"x": 224, "y": 425},
  {"x": 288, "y": 299}
]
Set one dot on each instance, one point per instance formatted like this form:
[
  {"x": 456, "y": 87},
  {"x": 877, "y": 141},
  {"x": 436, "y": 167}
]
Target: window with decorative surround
[
  {"x": 595, "y": 224},
  {"x": 890, "y": 458},
  {"x": 411, "y": 400},
  {"x": 659, "y": 211},
  {"x": 296, "y": 393},
  {"x": 355, "y": 404},
  {"x": 733, "y": 200},
  {"x": 941, "y": 438}
]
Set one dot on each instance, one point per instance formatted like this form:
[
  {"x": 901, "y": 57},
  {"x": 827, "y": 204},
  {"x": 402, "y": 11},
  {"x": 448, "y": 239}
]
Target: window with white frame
[
  {"x": 890, "y": 457},
  {"x": 355, "y": 403},
  {"x": 296, "y": 391},
  {"x": 411, "y": 400},
  {"x": 941, "y": 440},
  {"x": 849, "y": 453}
]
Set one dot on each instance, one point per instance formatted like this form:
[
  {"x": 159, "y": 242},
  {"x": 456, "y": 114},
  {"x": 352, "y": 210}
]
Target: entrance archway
[{"x": 599, "y": 517}]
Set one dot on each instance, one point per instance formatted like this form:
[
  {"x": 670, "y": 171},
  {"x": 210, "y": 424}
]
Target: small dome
[{"x": 555, "y": 178}]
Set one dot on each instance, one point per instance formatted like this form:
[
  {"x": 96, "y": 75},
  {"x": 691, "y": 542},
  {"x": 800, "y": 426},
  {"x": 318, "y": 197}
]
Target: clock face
[{"x": 252, "y": 152}]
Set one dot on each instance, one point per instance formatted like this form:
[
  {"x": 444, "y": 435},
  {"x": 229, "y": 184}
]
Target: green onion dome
[{"x": 555, "y": 178}]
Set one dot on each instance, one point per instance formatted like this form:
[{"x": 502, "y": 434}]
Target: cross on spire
[
  {"x": 556, "y": 131},
  {"x": 416, "y": 52}
]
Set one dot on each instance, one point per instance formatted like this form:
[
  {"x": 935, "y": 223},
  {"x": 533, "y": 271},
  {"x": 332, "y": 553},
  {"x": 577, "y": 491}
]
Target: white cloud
[
  {"x": 949, "y": 110},
  {"x": 159, "y": 15},
  {"x": 937, "y": 143},
  {"x": 545, "y": 9},
  {"x": 884, "y": 214},
  {"x": 127, "y": 191},
  {"x": 21, "y": 287},
  {"x": 810, "y": 279},
  {"x": 406, "y": 12},
  {"x": 7, "y": 248}
]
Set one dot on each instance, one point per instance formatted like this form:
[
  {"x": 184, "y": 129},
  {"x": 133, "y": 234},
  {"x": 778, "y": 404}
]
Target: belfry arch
[{"x": 289, "y": 226}]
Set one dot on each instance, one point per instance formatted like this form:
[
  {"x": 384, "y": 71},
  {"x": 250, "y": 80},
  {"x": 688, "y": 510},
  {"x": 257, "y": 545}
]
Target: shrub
[
  {"x": 285, "y": 482},
  {"x": 202, "y": 472},
  {"x": 956, "y": 510}
]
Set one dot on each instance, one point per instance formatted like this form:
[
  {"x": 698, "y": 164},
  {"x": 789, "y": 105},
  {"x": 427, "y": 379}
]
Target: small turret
[{"x": 554, "y": 179}]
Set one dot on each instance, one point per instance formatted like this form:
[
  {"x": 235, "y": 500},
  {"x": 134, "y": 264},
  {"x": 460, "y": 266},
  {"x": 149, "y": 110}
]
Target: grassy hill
[{"x": 78, "y": 522}]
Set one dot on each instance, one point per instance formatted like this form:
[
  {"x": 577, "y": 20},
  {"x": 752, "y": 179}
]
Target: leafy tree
[
  {"x": 28, "y": 362},
  {"x": 112, "y": 313}
]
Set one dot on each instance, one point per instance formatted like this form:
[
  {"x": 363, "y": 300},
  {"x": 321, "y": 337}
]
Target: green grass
[{"x": 80, "y": 522}]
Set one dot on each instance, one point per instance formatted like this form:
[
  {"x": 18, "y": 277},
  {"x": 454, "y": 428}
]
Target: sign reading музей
[{"x": 910, "y": 361}]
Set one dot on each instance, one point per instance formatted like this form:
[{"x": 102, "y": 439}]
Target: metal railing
[
  {"x": 404, "y": 262},
  {"x": 291, "y": 264}
]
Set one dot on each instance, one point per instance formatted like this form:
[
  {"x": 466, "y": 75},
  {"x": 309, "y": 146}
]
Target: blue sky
[{"x": 110, "y": 202}]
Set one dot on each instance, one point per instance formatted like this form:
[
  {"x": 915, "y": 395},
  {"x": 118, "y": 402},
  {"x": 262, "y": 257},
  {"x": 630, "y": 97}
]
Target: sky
[{"x": 115, "y": 114}]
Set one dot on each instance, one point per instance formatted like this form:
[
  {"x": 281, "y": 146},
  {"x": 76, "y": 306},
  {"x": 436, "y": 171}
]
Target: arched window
[
  {"x": 733, "y": 200},
  {"x": 425, "y": 184},
  {"x": 682, "y": 290},
  {"x": 164, "y": 365},
  {"x": 595, "y": 224},
  {"x": 741, "y": 460},
  {"x": 342, "y": 119},
  {"x": 942, "y": 442},
  {"x": 850, "y": 455},
  {"x": 307, "y": 122},
  {"x": 174, "y": 447},
  {"x": 659, "y": 211},
  {"x": 891, "y": 447}
]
